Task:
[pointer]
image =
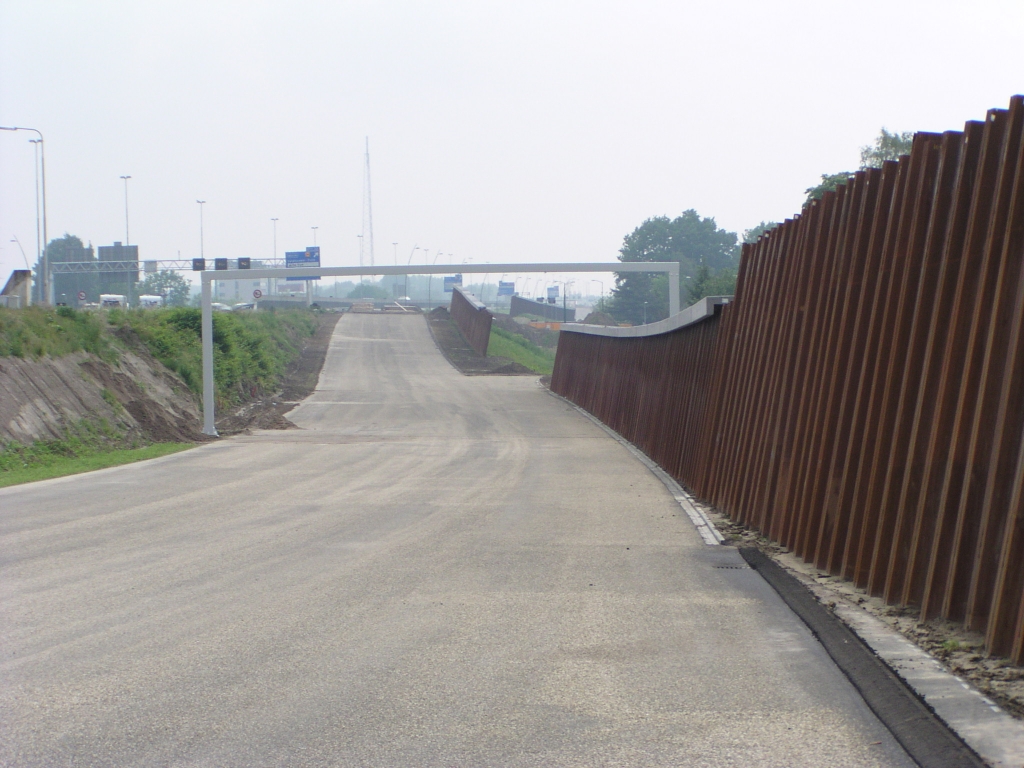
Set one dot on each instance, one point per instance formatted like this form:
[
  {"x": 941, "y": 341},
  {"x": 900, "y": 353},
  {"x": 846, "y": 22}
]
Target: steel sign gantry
[{"x": 671, "y": 268}]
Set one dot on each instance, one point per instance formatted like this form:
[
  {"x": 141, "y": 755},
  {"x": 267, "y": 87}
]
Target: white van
[
  {"x": 113, "y": 301},
  {"x": 147, "y": 301}
]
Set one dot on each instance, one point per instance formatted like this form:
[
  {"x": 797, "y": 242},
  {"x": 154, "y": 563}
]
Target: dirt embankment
[
  {"x": 137, "y": 395},
  {"x": 458, "y": 352}
]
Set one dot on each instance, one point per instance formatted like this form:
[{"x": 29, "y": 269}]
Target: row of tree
[{"x": 707, "y": 254}]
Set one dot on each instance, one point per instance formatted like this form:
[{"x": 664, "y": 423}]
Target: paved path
[{"x": 436, "y": 570}]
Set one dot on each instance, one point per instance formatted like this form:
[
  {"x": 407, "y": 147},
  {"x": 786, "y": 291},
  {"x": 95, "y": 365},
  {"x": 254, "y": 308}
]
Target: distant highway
[{"x": 436, "y": 570}]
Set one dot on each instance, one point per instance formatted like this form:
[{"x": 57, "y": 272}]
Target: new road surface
[{"x": 434, "y": 570}]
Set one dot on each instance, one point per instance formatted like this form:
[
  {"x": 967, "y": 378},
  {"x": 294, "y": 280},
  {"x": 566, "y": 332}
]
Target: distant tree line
[{"x": 708, "y": 255}]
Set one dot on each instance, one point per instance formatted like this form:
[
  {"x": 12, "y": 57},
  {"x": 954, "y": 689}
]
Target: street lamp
[
  {"x": 396, "y": 253},
  {"x": 16, "y": 240},
  {"x": 314, "y": 234},
  {"x": 645, "y": 313},
  {"x": 201, "y": 204},
  {"x": 46, "y": 287},
  {"x": 273, "y": 255},
  {"x": 127, "y": 239},
  {"x": 35, "y": 160}
]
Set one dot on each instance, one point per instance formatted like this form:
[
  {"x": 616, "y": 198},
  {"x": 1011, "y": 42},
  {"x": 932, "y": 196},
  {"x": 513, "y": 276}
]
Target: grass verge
[
  {"x": 37, "y": 331},
  {"x": 251, "y": 350},
  {"x": 59, "y": 466},
  {"x": 526, "y": 353}
]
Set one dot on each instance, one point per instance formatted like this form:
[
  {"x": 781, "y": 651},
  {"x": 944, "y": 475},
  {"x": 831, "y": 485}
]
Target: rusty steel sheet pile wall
[
  {"x": 472, "y": 319},
  {"x": 862, "y": 399}
]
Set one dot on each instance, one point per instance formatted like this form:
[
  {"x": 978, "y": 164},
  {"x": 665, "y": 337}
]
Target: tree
[
  {"x": 888, "y": 146},
  {"x": 689, "y": 239},
  {"x": 66, "y": 285},
  {"x": 829, "y": 182},
  {"x": 752, "y": 235},
  {"x": 367, "y": 291},
  {"x": 172, "y": 286},
  {"x": 706, "y": 283}
]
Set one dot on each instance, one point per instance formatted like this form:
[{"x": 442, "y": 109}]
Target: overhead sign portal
[
  {"x": 506, "y": 289},
  {"x": 450, "y": 281},
  {"x": 307, "y": 258}
]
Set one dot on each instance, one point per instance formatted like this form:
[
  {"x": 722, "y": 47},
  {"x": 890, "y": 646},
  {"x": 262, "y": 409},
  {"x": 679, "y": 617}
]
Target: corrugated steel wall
[
  {"x": 474, "y": 322},
  {"x": 862, "y": 399}
]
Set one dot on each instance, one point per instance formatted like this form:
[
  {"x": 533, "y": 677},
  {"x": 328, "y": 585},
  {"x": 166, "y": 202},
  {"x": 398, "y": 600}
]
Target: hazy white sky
[{"x": 525, "y": 131}]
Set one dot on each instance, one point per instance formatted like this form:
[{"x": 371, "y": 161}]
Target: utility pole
[
  {"x": 273, "y": 256},
  {"x": 127, "y": 239},
  {"x": 46, "y": 287},
  {"x": 39, "y": 252},
  {"x": 201, "y": 204},
  {"x": 367, "y": 234}
]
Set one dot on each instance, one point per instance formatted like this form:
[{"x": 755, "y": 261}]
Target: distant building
[
  {"x": 67, "y": 284},
  {"x": 240, "y": 291},
  {"x": 121, "y": 280}
]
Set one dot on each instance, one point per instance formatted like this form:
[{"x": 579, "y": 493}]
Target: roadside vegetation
[
  {"x": 250, "y": 349},
  {"x": 708, "y": 255},
  {"x": 515, "y": 347},
  {"x": 85, "y": 446},
  {"x": 36, "y": 332}
]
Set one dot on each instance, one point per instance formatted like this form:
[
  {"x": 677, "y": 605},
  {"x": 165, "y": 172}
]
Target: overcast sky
[{"x": 525, "y": 131}]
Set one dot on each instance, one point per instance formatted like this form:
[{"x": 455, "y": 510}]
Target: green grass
[
  {"x": 521, "y": 350},
  {"x": 60, "y": 466},
  {"x": 250, "y": 350},
  {"x": 36, "y": 331}
]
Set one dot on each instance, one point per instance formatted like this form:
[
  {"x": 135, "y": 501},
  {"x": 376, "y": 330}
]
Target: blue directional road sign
[
  {"x": 450, "y": 281},
  {"x": 506, "y": 289},
  {"x": 307, "y": 258}
]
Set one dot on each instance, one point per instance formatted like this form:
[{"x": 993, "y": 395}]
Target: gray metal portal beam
[{"x": 208, "y": 276}]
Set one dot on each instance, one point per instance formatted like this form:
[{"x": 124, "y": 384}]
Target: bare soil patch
[{"x": 463, "y": 357}]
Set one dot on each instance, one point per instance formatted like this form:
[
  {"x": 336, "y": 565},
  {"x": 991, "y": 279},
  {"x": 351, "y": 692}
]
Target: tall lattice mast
[{"x": 366, "y": 239}]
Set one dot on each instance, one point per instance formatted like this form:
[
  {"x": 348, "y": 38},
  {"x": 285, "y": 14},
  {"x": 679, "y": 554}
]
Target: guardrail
[
  {"x": 862, "y": 399},
  {"x": 472, "y": 319}
]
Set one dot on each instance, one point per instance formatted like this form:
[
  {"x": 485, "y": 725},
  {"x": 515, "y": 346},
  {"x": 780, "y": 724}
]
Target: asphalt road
[{"x": 436, "y": 570}]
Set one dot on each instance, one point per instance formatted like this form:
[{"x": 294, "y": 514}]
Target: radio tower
[{"x": 366, "y": 239}]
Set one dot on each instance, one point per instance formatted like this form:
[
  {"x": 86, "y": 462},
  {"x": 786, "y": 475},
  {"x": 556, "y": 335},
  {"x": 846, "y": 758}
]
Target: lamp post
[
  {"x": 314, "y": 234},
  {"x": 396, "y": 253},
  {"x": 46, "y": 287},
  {"x": 201, "y": 204},
  {"x": 645, "y": 313},
  {"x": 16, "y": 240},
  {"x": 273, "y": 255},
  {"x": 35, "y": 160},
  {"x": 127, "y": 239}
]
